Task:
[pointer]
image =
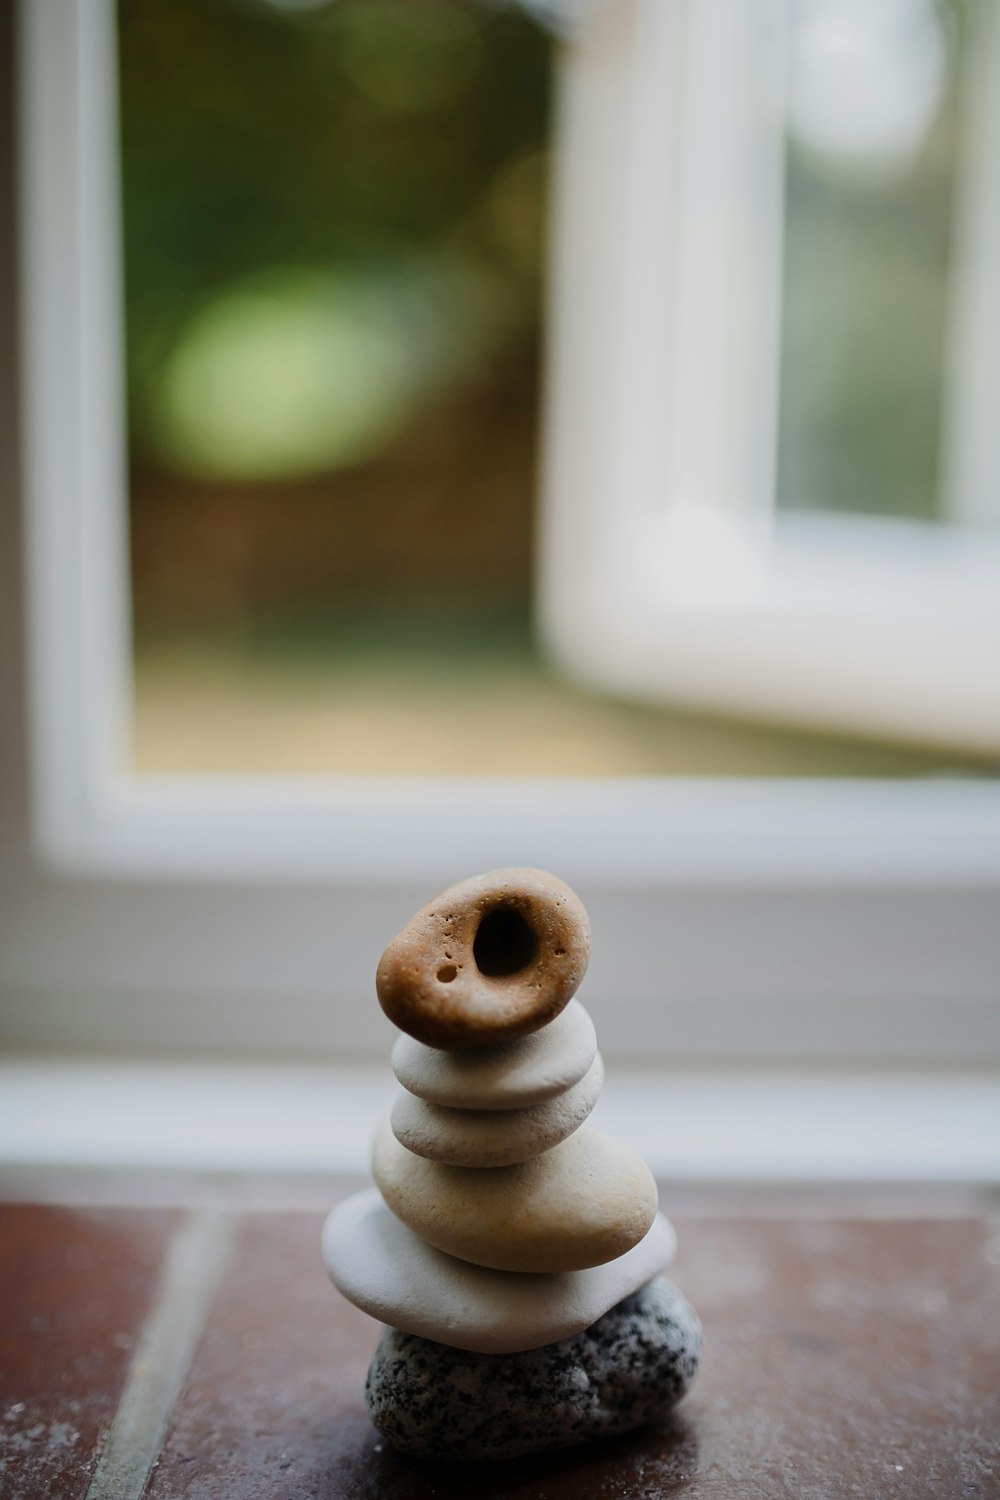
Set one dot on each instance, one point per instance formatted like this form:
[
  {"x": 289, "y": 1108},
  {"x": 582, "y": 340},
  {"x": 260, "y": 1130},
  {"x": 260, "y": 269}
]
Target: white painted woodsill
[{"x": 695, "y": 1126}]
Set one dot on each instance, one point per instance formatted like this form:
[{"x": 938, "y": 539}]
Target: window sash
[{"x": 665, "y": 572}]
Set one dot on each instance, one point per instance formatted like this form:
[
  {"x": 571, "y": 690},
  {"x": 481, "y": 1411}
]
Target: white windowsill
[{"x": 696, "y": 1125}]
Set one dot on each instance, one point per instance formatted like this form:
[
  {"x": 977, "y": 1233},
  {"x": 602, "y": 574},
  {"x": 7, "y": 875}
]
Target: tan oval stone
[
  {"x": 493, "y": 958},
  {"x": 512, "y": 1075},
  {"x": 494, "y": 1138},
  {"x": 581, "y": 1204}
]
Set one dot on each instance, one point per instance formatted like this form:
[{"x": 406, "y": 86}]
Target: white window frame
[
  {"x": 766, "y": 919},
  {"x": 666, "y": 573}
]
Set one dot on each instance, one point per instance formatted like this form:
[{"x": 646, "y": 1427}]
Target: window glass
[
  {"x": 874, "y": 112},
  {"x": 334, "y": 224}
]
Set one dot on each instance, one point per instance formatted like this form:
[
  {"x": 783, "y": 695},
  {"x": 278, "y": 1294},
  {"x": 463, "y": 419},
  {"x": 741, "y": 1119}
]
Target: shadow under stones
[{"x": 660, "y": 1459}]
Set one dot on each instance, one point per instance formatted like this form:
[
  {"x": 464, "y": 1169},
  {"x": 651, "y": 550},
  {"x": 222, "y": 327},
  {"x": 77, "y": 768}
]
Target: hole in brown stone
[
  {"x": 505, "y": 943},
  {"x": 447, "y": 973}
]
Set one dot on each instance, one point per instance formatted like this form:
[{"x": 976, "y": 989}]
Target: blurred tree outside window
[{"x": 334, "y": 220}]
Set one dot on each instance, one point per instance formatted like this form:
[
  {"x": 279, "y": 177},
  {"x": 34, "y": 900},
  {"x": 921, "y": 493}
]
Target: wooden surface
[{"x": 843, "y": 1357}]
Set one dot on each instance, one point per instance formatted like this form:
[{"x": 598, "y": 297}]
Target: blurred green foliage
[{"x": 369, "y": 143}]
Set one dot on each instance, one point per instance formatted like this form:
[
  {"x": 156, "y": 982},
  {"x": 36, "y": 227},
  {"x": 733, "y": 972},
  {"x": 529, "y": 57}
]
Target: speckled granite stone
[{"x": 627, "y": 1368}]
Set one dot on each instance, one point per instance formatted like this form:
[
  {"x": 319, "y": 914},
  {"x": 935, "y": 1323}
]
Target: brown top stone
[{"x": 490, "y": 959}]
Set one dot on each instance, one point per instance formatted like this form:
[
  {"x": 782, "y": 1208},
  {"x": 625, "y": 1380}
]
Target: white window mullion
[
  {"x": 652, "y": 105},
  {"x": 104, "y": 412},
  {"x": 74, "y": 407},
  {"x": 665, "y": 320},
  {"x": 720, "y": 435}
]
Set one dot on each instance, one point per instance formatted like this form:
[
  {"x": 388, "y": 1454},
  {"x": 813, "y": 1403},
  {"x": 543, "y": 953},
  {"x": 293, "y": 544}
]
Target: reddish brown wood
[{"x": 76, "y": 1286}]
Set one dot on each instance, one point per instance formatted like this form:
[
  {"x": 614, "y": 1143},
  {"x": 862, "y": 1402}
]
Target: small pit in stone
[
  {"x": 447, "y": 973},
  {"x": 505, "y": 943}
]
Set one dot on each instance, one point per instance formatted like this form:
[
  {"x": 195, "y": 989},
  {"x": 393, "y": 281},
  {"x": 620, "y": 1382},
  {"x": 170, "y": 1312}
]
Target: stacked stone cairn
[{"x": 512, "y": 1251}]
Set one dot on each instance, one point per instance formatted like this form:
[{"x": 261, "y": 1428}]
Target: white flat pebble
[
  {"x": 387, "y": 1271},
  {"x": 514, "y": 1075},
  {"x": 494, "y": 1137}
]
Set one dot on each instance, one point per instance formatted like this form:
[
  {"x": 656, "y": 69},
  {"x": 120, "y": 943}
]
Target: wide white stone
[
  {"x": 514, "y": 1075},
  {"x": 494, "y": 1137},
  {"x": 390, "y": 1273}
]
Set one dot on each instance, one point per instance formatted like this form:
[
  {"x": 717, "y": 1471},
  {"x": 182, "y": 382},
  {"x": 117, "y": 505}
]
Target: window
[{"x": 784, "y": 919}]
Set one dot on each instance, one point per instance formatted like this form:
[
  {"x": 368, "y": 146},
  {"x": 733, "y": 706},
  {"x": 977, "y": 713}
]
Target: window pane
[
  {"x": 334, "y": 224},
  {"x": 874, "y": 112},
  {"x": 334, "y": 228}
]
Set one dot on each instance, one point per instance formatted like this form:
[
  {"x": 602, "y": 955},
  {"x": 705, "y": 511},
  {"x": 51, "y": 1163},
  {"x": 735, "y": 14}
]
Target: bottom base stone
[{"x": 629, "y": 1367}]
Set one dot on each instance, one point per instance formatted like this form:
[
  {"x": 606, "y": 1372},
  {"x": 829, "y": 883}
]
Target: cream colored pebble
[
  {"x": 513, "y": 1075},
  {"x": 586, "y": 1201},
  {"x": 493, "y": 1137}
]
